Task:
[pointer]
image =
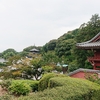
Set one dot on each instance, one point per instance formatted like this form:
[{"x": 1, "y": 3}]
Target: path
[{"x": 2, "y": 92}]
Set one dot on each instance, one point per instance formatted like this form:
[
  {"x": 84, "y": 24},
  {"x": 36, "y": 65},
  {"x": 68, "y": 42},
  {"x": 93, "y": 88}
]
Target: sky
[{"x": 25, "y": 23}]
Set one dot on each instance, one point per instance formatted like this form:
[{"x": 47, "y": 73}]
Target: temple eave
[{"x": 88, "y": 48}]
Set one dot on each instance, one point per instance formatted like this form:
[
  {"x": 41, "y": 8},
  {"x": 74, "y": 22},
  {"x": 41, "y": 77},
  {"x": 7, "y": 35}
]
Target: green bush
[
  {"x": 19, "y": 88},
  {"x": 34, "y": 85},
  {"x": 78, "y": 89},
  {"x": 66, "y": 88},
  {"x": 43, "y": 83},
  {"x": 31, "y": 83},
  {"x": 47, "y": 68}
]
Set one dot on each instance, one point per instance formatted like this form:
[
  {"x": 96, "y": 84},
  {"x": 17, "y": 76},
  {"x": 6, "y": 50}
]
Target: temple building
[
  {"x": 34, "y": 50},
  {"x": 94, "y": 45}
]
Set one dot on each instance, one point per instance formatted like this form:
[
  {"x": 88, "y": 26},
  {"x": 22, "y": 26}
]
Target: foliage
[
  {"x": 19, "y": 88},
  {"x": 34, "y": 85},
  {"x": 91, "y": 77},
  {"x": 66, "y": 88},
  {"x": 2, "y": 64},
  {"x": 13, "y": 59},
  {"x": 16, "y": 74},
  {"x": 58, "y": 50},
  {"x": 58, "y": 68},
  {"x": 7, "y": 97},
  {"x": 65, "y": 46},
  {"x": 36, "y": 69},
  {"x": 43, "y": 83},
  {"x": 31, "y": 83},
  {"x": 8, "y": 53},
  {"x": 49, "y": 46},
  {"x": 86, "y": 32},
  {"x": 6, "y": 75},
  {"x": 47, "y": 68},
  {"x": 6, "y": 83}
]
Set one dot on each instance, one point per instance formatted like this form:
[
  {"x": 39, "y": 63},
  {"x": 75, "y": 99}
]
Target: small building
[
  {"x": 81, "y": 73},
  {"x": 34, "y": 50},
  {"x": 94, "y": 45}
]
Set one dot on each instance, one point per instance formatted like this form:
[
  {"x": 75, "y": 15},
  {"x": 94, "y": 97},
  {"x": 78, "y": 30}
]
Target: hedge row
[
  {"x": 20, "y": 87},
  {"x": 66, "y": 88},
  {"x": 43, "y": 83}
]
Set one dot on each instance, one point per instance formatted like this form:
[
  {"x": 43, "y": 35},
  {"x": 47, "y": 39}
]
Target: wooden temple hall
[{"x": 93, "y": 44}]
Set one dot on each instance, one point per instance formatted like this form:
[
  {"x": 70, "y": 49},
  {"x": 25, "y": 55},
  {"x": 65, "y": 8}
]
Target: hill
[{"x": 65, "y": 49}]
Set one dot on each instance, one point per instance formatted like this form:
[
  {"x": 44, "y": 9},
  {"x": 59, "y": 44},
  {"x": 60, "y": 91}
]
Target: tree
[
  {"x": 8, "y": 53},
  {"x": 88, "y": 31},
  {"x": 95, "y": 20},
  {"x": 34, "y": 69}
]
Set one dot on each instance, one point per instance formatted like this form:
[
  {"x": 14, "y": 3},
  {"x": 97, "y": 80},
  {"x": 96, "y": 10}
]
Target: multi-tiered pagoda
[{"x": 94, "y": 45}]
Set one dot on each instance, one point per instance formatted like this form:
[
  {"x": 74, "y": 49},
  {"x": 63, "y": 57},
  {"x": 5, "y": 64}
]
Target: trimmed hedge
[
  {"x": 76, "y": 89},
  {"x": 43, "y": 83},
  {"x": 19, "y": 88},
  {"x": 31, "y": 83},
  {"x": 22, "y": 87},
  {"x": 66, "y": 88}
]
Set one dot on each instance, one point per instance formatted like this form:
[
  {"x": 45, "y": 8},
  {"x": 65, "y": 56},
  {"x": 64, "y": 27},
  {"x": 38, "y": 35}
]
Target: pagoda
[
  {"x": 94, "y": 45},
  {"x": 34, "y": 50}
]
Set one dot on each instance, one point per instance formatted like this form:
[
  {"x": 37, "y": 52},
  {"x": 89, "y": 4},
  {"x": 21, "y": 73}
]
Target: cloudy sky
[{"x": 24, "y": 23}]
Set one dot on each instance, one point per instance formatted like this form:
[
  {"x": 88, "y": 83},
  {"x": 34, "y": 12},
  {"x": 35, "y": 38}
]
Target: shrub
[
  {"x": 34, "y": 85},
  {"x": 66, "y": 88},
  {"x": 91, "y": 77},
  {"x": 6, "y": 97},
  {"x": 19, "y": 88},
  {"x": 43, "y": 83},
  {"x": 47, "y": 68},
  {"x": 31, "y": 83},
  {"x": 5, "y": 84},
  {"x": 58, "y": 68}
]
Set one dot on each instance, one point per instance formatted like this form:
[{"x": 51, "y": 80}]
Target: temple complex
[{"x": 94, "y": 45}]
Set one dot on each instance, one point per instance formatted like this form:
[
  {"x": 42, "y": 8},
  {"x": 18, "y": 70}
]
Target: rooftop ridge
[
  {"x": 89, "y": 40},
  {"x": 83, "y": 70}
]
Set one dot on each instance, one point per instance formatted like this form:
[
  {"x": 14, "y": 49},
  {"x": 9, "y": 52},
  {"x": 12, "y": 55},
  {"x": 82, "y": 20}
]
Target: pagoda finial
[{"x": 34, "y": 44}]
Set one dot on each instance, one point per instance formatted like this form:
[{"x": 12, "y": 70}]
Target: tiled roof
[
  {"x": 90, "y": 44},
  {"x": 34, "y": 50},
  {"x": 94, "y": 45},
  {"x": 84, "y": 70}
]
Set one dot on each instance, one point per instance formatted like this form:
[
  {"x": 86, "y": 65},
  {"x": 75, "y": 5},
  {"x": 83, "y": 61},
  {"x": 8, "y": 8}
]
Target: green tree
[
  {"x": 34, "y": 69},
  {"x": 85, "y": 33},
  {"x": 8, "y": 53}
]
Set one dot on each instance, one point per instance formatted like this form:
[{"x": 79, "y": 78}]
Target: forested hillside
[{"x": 64, "y": 48}]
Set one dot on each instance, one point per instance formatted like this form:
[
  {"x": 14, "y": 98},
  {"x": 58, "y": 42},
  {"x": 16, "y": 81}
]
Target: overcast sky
[{"x": 24, "y": 23}]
